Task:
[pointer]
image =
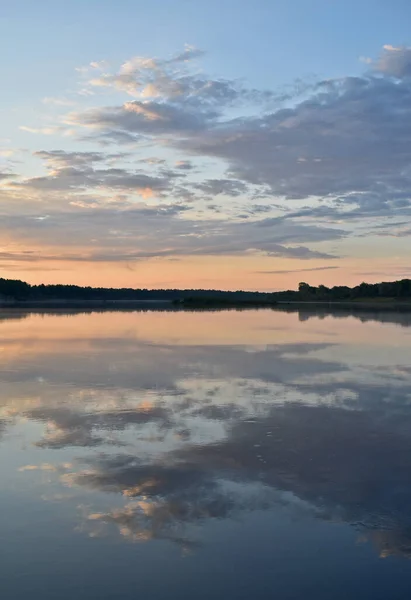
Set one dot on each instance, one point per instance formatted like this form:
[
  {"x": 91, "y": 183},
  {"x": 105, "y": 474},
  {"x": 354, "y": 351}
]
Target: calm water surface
[{"x": 256, "y": 454}]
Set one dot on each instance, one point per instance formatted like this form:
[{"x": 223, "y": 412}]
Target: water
[{"x": 255, "y": 454}]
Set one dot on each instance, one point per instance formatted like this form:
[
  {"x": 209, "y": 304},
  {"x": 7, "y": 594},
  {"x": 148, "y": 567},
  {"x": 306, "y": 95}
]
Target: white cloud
[{"x": 53, "y": 130}]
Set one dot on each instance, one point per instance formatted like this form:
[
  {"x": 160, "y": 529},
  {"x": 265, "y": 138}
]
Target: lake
[{"x": 234, "y": 455}]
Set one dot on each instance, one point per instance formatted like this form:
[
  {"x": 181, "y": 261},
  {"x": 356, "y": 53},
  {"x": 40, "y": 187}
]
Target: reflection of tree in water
[
  {"x": 363, "y": 314},
  {"x": 400, "y": 316},
  {"x": 12, "y": 315}
]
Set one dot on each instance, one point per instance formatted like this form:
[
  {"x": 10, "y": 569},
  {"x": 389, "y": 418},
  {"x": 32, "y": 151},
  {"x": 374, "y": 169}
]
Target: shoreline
[
  {"x": 359, "y": 305},
  {"x": 53, "y": 304},
  {"x": 349, "y": 304}
]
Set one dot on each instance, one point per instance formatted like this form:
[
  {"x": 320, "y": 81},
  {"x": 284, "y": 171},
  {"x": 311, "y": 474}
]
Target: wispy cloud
[{"x": 285, "y": 271}]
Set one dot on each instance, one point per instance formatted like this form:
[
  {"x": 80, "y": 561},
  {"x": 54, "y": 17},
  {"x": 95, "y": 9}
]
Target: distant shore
[
  {"x": 65, "y": 303},
  {"x": 394, "y": 295},
  {"x": 358, "y": 304}
]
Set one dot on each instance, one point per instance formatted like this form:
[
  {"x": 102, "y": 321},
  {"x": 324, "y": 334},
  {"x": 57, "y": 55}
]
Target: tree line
[
  {"x": 14, "y": 289},
  {"x": 385, "y": 289}
]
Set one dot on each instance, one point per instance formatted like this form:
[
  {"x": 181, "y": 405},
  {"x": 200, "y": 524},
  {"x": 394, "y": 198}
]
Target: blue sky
[
  {"x": 290, "y": 191},
  {"x": 268, "y": 42}
]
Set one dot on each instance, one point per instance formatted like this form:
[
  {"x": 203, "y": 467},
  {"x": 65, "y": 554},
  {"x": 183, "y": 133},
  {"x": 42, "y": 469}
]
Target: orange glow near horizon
[{"x": 210, "y": 272}]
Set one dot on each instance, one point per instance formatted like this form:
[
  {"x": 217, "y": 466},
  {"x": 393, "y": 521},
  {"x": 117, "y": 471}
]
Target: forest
[{"x": 16, "y": 290}]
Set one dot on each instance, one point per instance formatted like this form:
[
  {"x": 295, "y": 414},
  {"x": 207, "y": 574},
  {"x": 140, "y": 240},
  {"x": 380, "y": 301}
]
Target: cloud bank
[{"x": 180, "y": 163}]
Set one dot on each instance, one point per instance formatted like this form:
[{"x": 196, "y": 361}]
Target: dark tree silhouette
[{"x": 16, "y": 290}]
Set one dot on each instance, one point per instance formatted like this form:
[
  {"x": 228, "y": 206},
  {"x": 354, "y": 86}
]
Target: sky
[{"x": 219, "y": 144}]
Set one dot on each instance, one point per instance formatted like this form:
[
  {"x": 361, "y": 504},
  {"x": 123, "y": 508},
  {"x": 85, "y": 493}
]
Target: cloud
[
  {"x": 93, "y": 195},
  {"x": 343, "y": 141},
  {"x": 69, "y": 171},
  {"x": 314, "y": 156},
  {"x": 142, "y": 232},
  {"x": 108, "y": 138},
  {"x": 315, "y": 150},
  {"x": 395, "y": 61},
  {"x": 228, "y": 187},
  {"x": 184, "y": 165},
  {"x": 283, "y": 271},
  {"x": 145, "y": 118},
  {"x": 189, "y": 53},
  {"x": 44, "y": 130},
  {"x": 171, "y": 80},
  {"x": 6, "y": 176}
]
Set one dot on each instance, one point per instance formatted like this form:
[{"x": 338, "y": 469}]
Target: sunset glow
[{"x": 190, "y": 160}]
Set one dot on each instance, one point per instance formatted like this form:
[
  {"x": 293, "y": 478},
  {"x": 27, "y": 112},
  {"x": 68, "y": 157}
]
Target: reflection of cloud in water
[
  {"x": 3, "y": 425},
  {"x": 132, "y": 363},
  {"x": 170, "y": 517},
  {"x": 162, "y": 498},
  {"x": 66, "y": 427},
  {"x": 83, "y": 406},
  {"x": 193, "y": 433},
  {"x": 353, "y": 466}
]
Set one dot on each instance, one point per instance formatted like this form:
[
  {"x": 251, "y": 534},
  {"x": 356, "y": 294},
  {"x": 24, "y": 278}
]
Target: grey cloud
[
  {"x": 396, "y": 233},
  {"x": 171, "y": 100},
  {"x": 347, "y": 141},
  {"x": 341, "y": 146},
  {"x": 261, "y": 208},
  {"x": 146, "y": 232},
  {"x": 69, "y": 171},
  {"x": 300, "y": 252},
  {"x": 356, "y": 209},
  {"x": 281, "y": 271},
  {"x": 153, "y": 160},
  {"x": 189, "y": 53},
  {"x": 184, "y": 165},
  {"x": 62, "y": 159},
  {"x": 315, "y": 148},
  {"x": 214, "y": 187},
  {"x": 395, "y": 61},
  {"x": 147, "y": 118},
  {"x": 73, "y": 179},
  {"x": 108, "y": 138},
  {"x": 6, "y": 176}
]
